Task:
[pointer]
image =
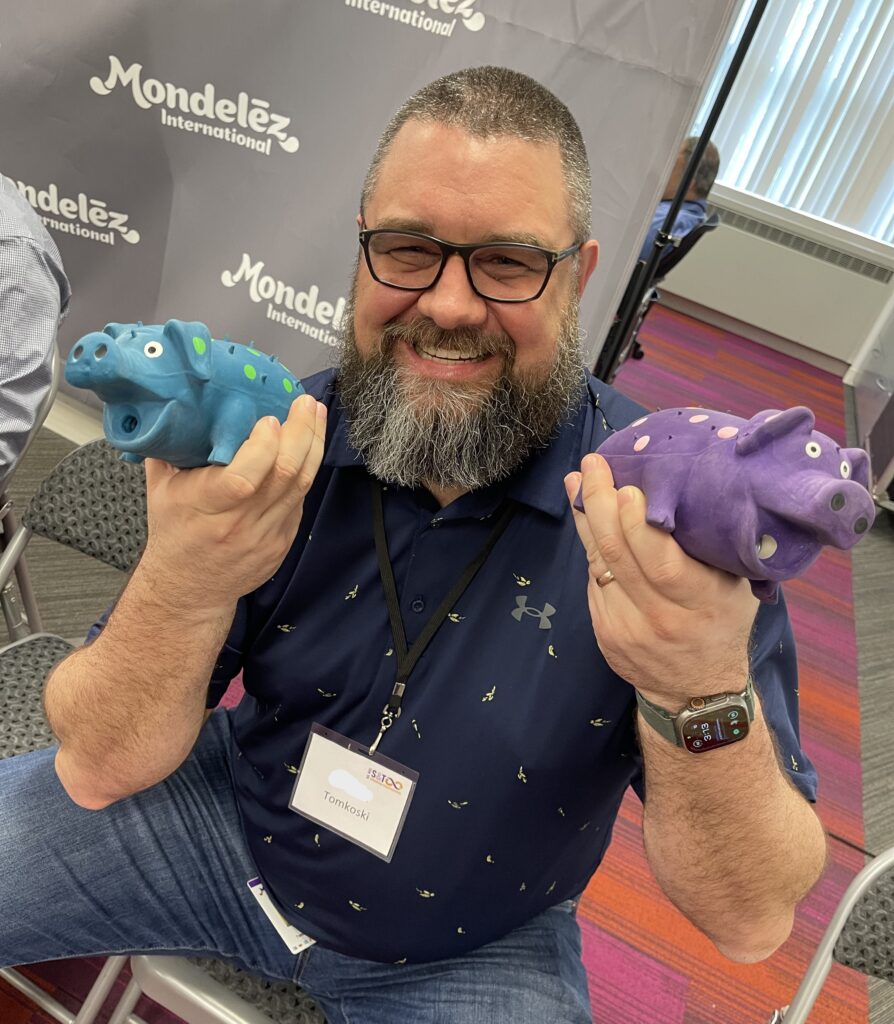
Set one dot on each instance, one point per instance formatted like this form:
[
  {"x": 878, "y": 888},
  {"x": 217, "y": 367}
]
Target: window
[{"x": 809, "y": 123}]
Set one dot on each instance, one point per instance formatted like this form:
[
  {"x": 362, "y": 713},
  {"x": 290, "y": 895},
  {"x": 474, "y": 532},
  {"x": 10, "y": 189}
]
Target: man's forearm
[
  {"x": 128, "y": 708},
  {"x": 730, "y": 840}
]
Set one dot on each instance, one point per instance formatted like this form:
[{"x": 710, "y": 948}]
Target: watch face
[{"x": 715, "y": 729}]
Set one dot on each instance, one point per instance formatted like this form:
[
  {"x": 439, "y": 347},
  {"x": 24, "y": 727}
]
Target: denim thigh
[
  {"x": 161, "y": 871},
  {"x": 532, "y": 975}
]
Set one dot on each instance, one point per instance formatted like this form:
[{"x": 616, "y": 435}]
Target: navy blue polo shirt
[{"x": 522, "y": 736}]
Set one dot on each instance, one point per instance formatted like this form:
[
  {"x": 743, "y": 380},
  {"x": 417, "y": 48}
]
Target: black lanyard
[{"x": 406, "y": 659}]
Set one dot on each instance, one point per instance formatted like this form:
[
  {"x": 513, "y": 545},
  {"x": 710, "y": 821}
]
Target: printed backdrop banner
[{"x": 203, "y": 160}]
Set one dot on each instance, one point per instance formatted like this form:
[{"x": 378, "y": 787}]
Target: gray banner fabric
[{"x": 203, "y": 160}]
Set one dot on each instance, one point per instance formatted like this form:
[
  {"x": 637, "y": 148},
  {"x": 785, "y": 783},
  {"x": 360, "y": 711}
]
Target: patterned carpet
[{"x": 645, "y": 963}]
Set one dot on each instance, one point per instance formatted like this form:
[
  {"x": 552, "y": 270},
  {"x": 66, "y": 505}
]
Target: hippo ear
[
  {"x": 116, "y": 330},
  {"x": 859, "y": 461},
  {"x": 766, "y": 426},
  {"x": 194, "y": 342}
]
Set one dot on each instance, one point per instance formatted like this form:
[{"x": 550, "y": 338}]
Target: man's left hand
[{"x": 669, "y": 625}]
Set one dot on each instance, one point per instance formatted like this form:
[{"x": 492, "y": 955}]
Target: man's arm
[
  {"x": 730, "y": 840},
  {"x": 127, "y": 708}
]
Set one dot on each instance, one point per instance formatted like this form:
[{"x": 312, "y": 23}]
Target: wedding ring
[{"x": 606, "y": 578}]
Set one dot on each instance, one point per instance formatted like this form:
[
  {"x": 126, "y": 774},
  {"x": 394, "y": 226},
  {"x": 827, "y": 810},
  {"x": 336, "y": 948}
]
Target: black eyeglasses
[{"x": 500, "y": 271}]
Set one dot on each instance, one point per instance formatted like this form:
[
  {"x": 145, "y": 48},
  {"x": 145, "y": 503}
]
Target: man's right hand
[{"x": 219, "y": 532}]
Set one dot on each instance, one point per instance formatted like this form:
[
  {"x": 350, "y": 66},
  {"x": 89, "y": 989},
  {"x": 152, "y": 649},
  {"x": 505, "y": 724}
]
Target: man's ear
[
  {"x": 588, "y": 257},
  {"x": 359, "y": 220}
]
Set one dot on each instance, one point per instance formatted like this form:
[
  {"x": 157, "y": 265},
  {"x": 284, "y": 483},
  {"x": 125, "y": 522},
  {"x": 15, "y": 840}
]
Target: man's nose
[{"x": 452, "y": 302}]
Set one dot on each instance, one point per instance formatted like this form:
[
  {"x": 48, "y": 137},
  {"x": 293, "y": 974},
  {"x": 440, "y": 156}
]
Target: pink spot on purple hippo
[
  {"x": 697, "y": 419},
  {"x": 636, "y": 423},
  {"x": 641, "y": 443},
  {"x": 726, "y": 432}
]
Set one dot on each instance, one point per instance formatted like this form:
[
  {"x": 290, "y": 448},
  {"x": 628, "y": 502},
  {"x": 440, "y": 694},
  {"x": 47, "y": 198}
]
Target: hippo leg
[
  {"x": 234, "y": 420},
  {"x": 130, "y": 457},
  {"x": 662, "y": 497},
  {"x": 765, "y": 590}
]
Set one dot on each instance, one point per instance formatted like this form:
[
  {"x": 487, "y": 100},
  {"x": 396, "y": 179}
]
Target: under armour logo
[{"x": 543, "y": 614}]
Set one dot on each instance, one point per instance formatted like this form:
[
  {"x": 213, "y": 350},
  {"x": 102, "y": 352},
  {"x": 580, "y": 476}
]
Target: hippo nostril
[
  {"x": 78, "y": 352},
  {"x": 838, "y": 502},
  {"x": 861, "y": 525},
  {"x": 129, "y": 424},
  {"x": 100, "y": 351}
]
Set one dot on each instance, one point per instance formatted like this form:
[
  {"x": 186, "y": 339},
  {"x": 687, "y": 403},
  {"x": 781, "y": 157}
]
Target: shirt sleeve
[{"x": 32, "y": 299}]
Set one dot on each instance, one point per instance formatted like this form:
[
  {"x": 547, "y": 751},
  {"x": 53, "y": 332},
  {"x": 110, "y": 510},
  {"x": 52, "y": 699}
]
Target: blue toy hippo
[
  {"x": 758, "y": 498},
  {"x": 177, "y": 394}
]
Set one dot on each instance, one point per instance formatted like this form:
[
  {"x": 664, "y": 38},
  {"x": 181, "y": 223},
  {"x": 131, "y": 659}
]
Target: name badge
[{"x": 359, "y": 796}]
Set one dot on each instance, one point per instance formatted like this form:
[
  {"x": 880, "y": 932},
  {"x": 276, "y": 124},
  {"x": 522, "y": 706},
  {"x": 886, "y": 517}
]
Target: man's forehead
[{"x": 505, "y": 182}]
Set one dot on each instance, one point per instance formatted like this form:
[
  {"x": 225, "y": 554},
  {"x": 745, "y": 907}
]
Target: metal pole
[{"x": 644, "y": 274}]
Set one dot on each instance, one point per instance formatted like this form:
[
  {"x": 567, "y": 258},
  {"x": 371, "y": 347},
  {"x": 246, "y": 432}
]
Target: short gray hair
[
  {"x": 708, "y": 166},
  {"x": 489, "y": 102}
]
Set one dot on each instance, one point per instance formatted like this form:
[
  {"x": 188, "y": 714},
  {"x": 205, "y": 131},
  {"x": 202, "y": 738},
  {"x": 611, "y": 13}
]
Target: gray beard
[{"x": 413, "y": 431}]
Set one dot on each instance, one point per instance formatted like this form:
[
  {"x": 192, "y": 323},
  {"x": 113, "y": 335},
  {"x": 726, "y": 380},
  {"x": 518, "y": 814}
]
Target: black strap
[{"x": 406, "y": 659}]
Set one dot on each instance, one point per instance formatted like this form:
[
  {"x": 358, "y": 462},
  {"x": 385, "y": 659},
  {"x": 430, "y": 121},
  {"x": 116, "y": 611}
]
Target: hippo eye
[
  {"x": 813, "y": 450},
  {"x": 153, "y": 349},
  {"x": 845, "y": 469}
]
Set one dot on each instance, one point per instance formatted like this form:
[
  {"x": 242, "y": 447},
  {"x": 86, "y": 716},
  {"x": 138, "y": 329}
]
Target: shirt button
[
  {"x": 418, "y": 605},
  {"x": 435, "y": 523}
]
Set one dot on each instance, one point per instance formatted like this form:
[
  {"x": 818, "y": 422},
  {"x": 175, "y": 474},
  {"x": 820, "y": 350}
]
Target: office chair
[
  {"x": 96, "y": 504},
  {"x": 616, "y": 351},
  {"x": 860, "y": 935}
]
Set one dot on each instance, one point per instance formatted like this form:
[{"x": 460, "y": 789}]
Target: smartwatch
[{"x": 706, "y": 723}]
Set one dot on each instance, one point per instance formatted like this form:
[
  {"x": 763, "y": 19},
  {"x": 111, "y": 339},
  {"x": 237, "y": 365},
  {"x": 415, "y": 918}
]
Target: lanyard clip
[{"x": 390, "y": 712}]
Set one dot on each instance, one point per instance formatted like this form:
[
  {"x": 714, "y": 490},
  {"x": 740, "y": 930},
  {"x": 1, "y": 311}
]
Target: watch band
[{"x": 664, "y": 723}]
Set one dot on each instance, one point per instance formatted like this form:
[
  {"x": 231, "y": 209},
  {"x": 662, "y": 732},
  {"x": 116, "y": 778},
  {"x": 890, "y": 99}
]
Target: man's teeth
[{"x": 446, "y": 353}]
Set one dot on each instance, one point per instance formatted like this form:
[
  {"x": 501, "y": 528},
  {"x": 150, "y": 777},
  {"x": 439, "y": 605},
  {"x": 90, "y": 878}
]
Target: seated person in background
[
  {"x": 459, "y": 406},
  {"x": 34, "y": 295},
  {"x": 694, "y": 210}
]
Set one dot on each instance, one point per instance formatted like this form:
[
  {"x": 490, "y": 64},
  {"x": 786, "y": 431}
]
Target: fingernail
[{"x": 627, "y": 496}]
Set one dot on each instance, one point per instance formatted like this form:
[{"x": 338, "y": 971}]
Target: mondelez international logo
[
  {"x": 424, "y": 14},
  {"x": 81, "y": 215},
  {"x": 315, "y": 318},
  {"x": 261, "y": 124}
]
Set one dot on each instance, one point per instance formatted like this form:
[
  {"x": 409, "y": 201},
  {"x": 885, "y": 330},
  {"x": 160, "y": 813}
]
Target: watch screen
[{"x": 715, "y": 729}]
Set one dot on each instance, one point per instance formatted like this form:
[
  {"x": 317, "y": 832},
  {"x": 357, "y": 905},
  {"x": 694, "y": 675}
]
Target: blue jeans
[{"x": 164, "y": 871}]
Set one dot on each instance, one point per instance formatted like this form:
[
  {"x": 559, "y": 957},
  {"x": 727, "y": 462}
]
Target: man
[
  {"x": 418, "y": 588},
  {"x": 34, "y": 295},
  {"x": 694, "y": 210}
]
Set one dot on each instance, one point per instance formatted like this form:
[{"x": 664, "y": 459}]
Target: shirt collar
[{"x": 539, "y": 482}]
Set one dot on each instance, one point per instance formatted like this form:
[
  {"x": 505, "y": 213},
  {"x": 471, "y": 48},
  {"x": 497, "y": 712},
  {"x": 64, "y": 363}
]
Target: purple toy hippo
[{"x": 758, "y": 498}]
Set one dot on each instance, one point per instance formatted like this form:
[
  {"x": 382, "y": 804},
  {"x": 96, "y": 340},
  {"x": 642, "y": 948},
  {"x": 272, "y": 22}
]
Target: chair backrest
[
  {"x": 94, "y": 503},
  {"x": 859, "y": 935},
  {"x": 686, "y": 243}
]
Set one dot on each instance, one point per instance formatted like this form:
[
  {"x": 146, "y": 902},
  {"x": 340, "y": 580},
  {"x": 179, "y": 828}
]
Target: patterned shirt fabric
[
  {"x": 522, "y": 735},
  {"x": 34, "y": 296},
  {"x": 692, "y": 213}
]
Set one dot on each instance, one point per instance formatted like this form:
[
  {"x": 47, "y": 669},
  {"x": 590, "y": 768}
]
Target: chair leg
[
  {"x": 53, "y": 1008},
  {"x": 98, "y": 994},
  {"x": 122, "y": 1012}
]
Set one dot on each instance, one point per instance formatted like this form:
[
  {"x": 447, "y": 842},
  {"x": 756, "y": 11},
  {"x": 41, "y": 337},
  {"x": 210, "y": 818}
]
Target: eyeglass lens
[{"x": 498, "y": 272}]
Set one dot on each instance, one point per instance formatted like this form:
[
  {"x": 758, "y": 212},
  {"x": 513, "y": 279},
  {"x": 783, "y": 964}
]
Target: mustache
[{"x": 468, "y": 341}]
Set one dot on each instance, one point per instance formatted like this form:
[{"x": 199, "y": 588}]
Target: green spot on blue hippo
[
  {"x": 199, "y": 345},
  {"x": 287, "y": 384},
  {"x": 249, "y": 371},
  {"x": 255, "y": 352}
]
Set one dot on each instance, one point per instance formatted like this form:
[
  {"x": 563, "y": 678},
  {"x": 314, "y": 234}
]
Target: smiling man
[{"x": 451, "y": 677}]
